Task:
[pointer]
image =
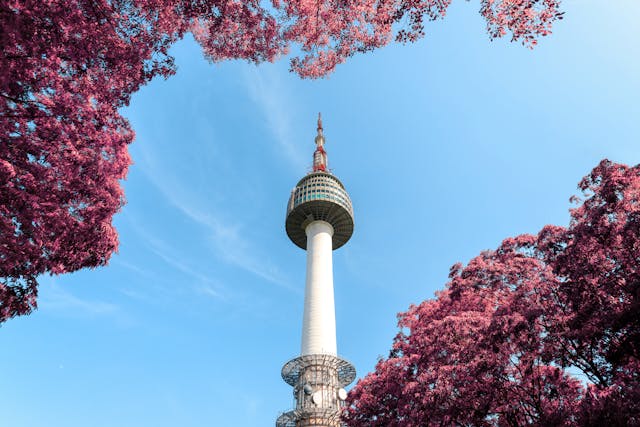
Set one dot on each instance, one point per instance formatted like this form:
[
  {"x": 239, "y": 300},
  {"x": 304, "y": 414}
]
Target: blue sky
[{"x": 446, "y": 147}]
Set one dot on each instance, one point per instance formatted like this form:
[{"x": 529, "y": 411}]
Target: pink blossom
[{"x": 502, "y": 343}]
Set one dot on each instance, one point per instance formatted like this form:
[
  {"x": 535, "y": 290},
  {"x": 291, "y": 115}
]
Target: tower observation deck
[{"x": 319, "y": 220}]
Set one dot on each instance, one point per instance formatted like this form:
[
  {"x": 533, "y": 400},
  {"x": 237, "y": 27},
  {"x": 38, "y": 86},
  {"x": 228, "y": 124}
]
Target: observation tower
[{"x": 319, "y": 220}]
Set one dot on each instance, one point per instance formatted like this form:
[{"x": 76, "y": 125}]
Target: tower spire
[{"x": 320, "y": 156}]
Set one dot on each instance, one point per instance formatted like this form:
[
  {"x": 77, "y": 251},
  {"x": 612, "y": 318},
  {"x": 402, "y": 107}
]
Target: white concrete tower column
[{"x": 319, "y": 318}]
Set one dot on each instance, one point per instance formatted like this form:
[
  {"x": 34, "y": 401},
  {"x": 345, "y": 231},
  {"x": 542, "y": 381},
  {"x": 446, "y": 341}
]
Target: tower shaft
[{"x": 319, "y": 319}]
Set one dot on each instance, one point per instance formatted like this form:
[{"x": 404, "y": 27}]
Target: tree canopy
[
  {"x": 542, "y": 331},
  {"x": 69, "y": 65}
]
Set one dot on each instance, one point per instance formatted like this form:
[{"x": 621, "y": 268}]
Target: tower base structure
[{"x": 318, "y": 382}]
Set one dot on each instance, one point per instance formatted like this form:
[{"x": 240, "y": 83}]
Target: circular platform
[
  {"x": 309, "y": 417},
  {"x": 319, "y": 196},
  {"x": 292, "y": 369}
]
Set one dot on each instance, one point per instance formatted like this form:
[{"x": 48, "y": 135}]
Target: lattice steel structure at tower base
[
  {"x": 319, "y": 220},
  {"x": 316, "y": 380}
]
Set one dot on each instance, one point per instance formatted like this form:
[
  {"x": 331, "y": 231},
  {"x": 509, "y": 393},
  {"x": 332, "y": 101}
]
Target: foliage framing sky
[{"x": 446, "y": 147}]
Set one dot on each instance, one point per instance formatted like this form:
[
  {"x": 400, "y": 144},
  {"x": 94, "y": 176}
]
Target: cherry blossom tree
[
  {"x": 597, "y": 261},
  {"x": 542, "y": 331},
  {"x": 69, "y": 65}
]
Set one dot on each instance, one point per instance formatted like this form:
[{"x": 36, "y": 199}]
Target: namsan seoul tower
[{"x": 319, "y": 220}]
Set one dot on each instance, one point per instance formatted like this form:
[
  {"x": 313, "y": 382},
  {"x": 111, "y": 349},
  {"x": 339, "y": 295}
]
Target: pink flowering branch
[
  {"x": 501, "y": 345},
  {"x": 69, "y": 65}
]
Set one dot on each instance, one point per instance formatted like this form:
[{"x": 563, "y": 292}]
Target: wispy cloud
[
  {"x": 55, "y": 299},
  {"x": 203, "y": 283},
  {"x": 268, "y": 92},
  {"x": 136, "y": 269},
  {"x": 210, "y": 291},
  {"x": 223, "y": 236}
]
